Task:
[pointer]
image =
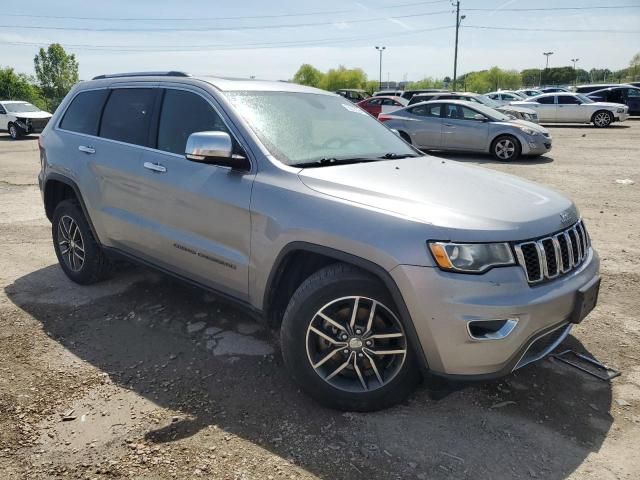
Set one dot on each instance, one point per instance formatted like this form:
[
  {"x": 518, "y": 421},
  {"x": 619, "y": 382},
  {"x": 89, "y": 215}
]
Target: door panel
[
  {"x": 570, "y": 109},
  {"x": 425, "y": 126},
  {"x": 461, "y": 132},
  {"x": 546, "y": 111}
]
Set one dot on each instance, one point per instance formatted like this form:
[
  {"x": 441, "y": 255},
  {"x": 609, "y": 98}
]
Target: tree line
[
  {"x": 482, "y": 81},
  {"x": 56, "y": 72}
]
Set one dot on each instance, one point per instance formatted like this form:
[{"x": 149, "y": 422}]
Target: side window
[
  {"x": 452, "y": 111},
  {"x": 83, "y": 114},
  {"x": 546, "y": 100},
  {"x": 494, "y": 96},
  {"x": 568, "y": 100},
  {"x": 388, "y": 101},
  {"x": 184, "y": 113},
  {"x": 375, "y": 101},
  {"x": 633, "y": 92},
  {"x": 127, "y": 115},
  {"x": 2, "y": 110},
  {"x": 427, "y": 110},
  {"x": 467, "y": 113}
]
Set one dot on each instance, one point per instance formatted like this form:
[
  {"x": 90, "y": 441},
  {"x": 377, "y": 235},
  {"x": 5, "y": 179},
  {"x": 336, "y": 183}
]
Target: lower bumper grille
[{"x": 544, "y": 345}]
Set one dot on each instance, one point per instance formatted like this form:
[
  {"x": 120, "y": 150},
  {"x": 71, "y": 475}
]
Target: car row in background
[
  {"x": 21, "y": 118},
  {"x": 517, "y": 112},
  {"x": 564, "y": 107},
  {"x": 382, "y": 104},
  {"x": 624, "y": 94},
  {"x": 460, "y": 125}
]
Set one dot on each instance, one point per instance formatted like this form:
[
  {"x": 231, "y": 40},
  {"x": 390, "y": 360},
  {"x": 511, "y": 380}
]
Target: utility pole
[
  {"x": 546, "y": 67},
  {"x": 455, "y": 55},
  {"x": 380, "y": 49},
  {"x": 575, "y": 72}
]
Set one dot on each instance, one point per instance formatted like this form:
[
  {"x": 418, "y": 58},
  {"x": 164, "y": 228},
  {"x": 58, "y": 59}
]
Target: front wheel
[
  {"x": 14, "y": 131},
  {"x": 505, "y": 148},
  {"x": 602, "y": 119},
  {"x": 344, "y": 343}
]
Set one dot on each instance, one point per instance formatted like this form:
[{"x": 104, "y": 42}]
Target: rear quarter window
[{"x": 83, "y": 114}]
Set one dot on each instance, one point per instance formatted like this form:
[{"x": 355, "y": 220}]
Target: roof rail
[{"x": 143, "y": 74}]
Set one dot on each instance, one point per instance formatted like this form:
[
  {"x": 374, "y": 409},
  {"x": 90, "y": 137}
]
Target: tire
[
  {"x": 15, "y": 132},
  {"x": 79, "y": 255},
  {"x": 602, "y": 119},
  {"x": 333, "y": 290},
  {"x": 405, "y": 136},
  {"x": 506, "y": 148}
]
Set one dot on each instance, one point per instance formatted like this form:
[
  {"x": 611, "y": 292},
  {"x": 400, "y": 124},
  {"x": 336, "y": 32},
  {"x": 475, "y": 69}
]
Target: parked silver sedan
[{"x": 462, "y": 126}]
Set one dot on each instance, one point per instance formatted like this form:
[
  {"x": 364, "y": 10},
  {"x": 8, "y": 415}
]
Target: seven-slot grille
[{"x": 550, "y": 257}]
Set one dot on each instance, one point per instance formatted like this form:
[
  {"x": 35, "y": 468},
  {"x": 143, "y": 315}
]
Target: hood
[
  {"x": 470, "y": 203},
  {"x": 30, "y": 114},
  {"x": 514, "y": 108},
  {"x": 608, "y": 104},
  {"x": 533, "y": 126}
]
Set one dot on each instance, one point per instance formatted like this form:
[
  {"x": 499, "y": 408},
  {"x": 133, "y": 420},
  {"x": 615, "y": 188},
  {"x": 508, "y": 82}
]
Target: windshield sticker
[{"x": 354, "y": 109}]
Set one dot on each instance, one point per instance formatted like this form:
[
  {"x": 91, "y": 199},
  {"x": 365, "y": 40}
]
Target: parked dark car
[
  {"x": 592, "y": 88},
  {"x": 353, "y": 94},
  {"x": 553, "y": 89},
  {"x": 408, "y": 94},
  {"x": 627, "y": 95}
]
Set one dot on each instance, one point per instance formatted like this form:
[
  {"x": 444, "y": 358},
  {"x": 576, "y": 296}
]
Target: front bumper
[
  {"x": 536, "y": 145},
  {"x": 442, "y": 304},
  {"x": 621, "y": 117}
]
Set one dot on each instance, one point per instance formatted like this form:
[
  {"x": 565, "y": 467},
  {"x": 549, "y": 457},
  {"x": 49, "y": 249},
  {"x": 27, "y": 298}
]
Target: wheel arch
[
  {"x": 58, "y": 188},
  {"x": 600, "y": 110},
  {"x": 298, "y": 260}
]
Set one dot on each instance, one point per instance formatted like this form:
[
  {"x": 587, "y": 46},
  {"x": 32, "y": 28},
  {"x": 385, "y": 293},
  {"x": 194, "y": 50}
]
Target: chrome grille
[{"x": 550, "y": 257}]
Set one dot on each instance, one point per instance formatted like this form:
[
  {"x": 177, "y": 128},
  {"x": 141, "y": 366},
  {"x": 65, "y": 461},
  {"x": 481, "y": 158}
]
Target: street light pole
[
  {"x": 575, "y": 73},
  {"x": 380, "y": 49},
  {"x": 546, "y": 67},
  {"x": 455, "y": 55}
]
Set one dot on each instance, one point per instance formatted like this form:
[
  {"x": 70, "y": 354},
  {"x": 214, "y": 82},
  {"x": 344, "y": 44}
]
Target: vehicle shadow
[
  {"x": 542, "y": 420},
  {"x": 582, "y": 125},
  {"x": 4, "y": 137},
  {"x": 486, "y": 159}
]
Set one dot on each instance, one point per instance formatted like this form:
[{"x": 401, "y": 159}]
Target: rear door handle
[
  {"x": 156, "y": 167},
  {"x": 448, "y": 124},
  {"x": 85, "y": 149}
]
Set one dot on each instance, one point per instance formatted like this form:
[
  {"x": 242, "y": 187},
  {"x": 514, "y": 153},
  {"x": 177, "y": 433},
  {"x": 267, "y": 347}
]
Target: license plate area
[{"x": 586, "y": 300}]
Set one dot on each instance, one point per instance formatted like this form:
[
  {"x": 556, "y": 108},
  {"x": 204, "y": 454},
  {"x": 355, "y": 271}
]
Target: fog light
[
  {"x": 491, "y": 329},
  {"x": 532, "y": 145}
]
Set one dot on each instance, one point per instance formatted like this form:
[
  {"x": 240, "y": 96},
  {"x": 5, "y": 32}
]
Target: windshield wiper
[
  {"x": 327, "y": 162},
  {"x": 394, "y": 156}
]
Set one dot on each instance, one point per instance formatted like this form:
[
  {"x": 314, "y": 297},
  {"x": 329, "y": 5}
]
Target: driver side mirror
[
  {"x": 480, "y": 118},
  {"x": 215, "y": 148}
]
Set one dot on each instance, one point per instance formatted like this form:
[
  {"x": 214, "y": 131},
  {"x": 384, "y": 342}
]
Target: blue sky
[{"x": 149, "y": 35}]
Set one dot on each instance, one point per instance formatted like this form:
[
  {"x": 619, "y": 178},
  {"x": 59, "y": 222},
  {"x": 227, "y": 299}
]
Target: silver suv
[{"x": 379, "y": 264}]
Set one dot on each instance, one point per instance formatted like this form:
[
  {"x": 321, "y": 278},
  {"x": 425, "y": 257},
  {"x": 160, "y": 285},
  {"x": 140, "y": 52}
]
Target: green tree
[
  {"x": 57, "y": 72},
  {"x": 427, "y": 82},
  {"x": 633, "y": 72},
  {"x": 308, "y": 75},
  {"x": 18, "y": 86},
  {"x": 343, "y": 77}
]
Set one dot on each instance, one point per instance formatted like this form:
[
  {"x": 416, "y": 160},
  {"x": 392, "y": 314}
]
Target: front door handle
[
  {"x": 85, "y": 149},
  {"x": 448, "y": 124},
  {"x": 156, "y": 167}
]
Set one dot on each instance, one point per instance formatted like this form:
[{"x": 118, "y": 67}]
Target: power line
[
  {"x": 240, "y": 17},
  {"x": 222, "y": 29},
  {"x": 541, "y": 9},
  {"x": 557, "y": 30}
]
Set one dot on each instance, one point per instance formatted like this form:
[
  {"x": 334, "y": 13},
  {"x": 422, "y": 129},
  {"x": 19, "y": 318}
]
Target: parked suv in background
[
  {"x": 624, "y": 94},
  {"x": 378, "y": 263},
  {"x": 21, "y": 118}
]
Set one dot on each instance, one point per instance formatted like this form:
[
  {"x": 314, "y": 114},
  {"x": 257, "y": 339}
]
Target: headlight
[
  {"x": 620, "y": 110},
  {"x": 528, "y": 131},
  {"x": 471, "y": 257}
]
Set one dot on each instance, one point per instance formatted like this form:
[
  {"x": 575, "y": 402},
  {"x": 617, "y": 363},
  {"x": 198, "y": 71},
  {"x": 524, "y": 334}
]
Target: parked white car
[
  {"x": 566, "y": 107},
  {"x": 504, "y": 97},
  {"x": 21, "y": 118}
]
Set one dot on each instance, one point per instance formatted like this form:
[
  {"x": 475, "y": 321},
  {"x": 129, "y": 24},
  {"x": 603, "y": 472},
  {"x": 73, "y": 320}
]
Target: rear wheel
[
  {"x": 344, "y": 344},
  {"x": 79, "y": 255},
  {"x": 506, "y": 148},
  {"x": 602, "y": 119}
]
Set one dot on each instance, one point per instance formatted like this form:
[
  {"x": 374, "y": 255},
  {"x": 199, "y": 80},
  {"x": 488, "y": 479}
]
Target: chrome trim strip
[
  {"x": 542, "y": 258},
  {"x": 558, "y": 251},
  {"x": 504, "y": 331},
  {"x": 547, "y": 351},
  {"x": 570, "y": 249}
]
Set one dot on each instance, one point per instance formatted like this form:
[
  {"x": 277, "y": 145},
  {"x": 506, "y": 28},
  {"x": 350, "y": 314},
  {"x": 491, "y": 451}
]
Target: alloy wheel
[
  {"x": 602, "y": 119},
  {"x": 356, "y": 344},
  {"x": 505, "y": 149},
  {"x": 13, "y": 132},
  {"x": 71, "y": 243}
]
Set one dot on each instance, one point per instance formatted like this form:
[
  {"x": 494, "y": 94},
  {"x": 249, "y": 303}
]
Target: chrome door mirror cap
[
  {"x": 215, "y": 148},
  {"x": 206, "y": 146}
]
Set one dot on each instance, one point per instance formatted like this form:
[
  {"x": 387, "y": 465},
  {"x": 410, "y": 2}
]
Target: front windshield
[
  {"x": 583, "y": 98},
  {"x": 305, "y": 128},
  {"x": 486, "y": 101},
  {"x": 20, "y": 107}
]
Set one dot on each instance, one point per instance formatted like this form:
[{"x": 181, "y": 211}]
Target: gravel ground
[{"x": 143, "y": 377}]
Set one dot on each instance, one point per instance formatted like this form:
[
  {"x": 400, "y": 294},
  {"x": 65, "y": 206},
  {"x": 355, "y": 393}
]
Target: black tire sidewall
[
  {"x": 304, "y": 306},
  {"x": 91, "y": 269},
  {"x": 516, "y": 153}
]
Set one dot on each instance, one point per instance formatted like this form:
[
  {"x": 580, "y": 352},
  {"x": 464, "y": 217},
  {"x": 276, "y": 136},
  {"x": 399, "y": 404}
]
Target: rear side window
[
  {"x": 546, "y": 100},
  {"x": 427, "y": 110},
  {"x": 184, "y": 113},
  {"x": 83, "y": 114},
  {"x": 568, "y": 100},
  {"x": 127, "y": 115}
]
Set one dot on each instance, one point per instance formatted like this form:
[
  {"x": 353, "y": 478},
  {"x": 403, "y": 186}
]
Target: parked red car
[{"x": 377, "y": 105}]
